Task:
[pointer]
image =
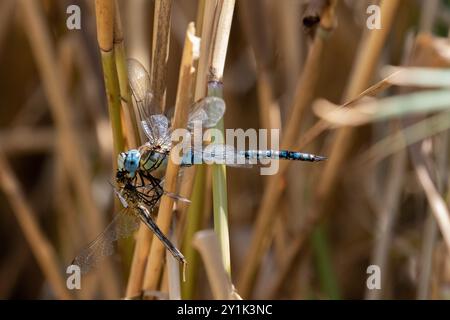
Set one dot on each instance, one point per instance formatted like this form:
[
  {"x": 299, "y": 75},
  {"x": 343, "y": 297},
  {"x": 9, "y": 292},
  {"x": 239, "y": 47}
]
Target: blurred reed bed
[{"x": 374, "y": 101}]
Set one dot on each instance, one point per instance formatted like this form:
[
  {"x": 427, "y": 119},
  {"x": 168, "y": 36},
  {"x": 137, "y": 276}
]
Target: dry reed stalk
[
  {"x": 158, "y": 78},
  {"x": 365, "y": 64},
  {"x": 20, "y": 140},
  {"x": 431, "y": 228},
  {"x": 207, "y": 244},
  {"x": 273, "y": 190},
  {"x": 437, "y": 204},
  {"x": 220, "y": 36},
  {"x": 156, "y": 255},
  {"x": 173, "y": 270},
  {"x": 133, "y": 135},
  {"x": 160, "y": 51},
  {"x": 194, "y": 214},
  {"x": 143, "y": 242},
  {"x": 40, "y": 246},
  {"x": 39, "y": 38},
  {"x": 105, "y": 15},
  {"x": 137, "y": 21},
  {"x": 387, "y": 217},
  {"x": 137, "y": 48}
]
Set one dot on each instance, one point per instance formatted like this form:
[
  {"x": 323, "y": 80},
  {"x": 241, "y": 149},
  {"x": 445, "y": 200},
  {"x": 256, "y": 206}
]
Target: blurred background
[{"x": 381, "y": 198}]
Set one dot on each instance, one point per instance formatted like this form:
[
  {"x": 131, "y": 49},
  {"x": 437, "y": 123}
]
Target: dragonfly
[
  {"x": 138, "y": 201},
  {"x": 153, "y": 155}
]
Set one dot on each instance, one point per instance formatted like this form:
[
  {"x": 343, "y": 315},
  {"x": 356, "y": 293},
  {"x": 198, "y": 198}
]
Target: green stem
[
  {"x": 113, "y": 95},
  {"x": 219, "y": 186},
  {"x": 324, "y": 265},
  {"x": 194, "y": 220}
]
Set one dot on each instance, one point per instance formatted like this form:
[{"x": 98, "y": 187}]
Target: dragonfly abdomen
[{"x": 281, "y": 154}]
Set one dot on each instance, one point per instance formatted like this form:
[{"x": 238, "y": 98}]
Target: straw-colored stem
[
  {"x": 194, "y": 215},
  {"x": 273, "y": 190},
  {"x": 105, "y": 12},
  {"x": 40, "y": 246},
  {"x": 207, "y": 244},
  {"x": 224, "y": 14},
  {"x": 122, "y": 73},
  {"x": 156, "y": 256},
  {"x": 160, "y": 51}
]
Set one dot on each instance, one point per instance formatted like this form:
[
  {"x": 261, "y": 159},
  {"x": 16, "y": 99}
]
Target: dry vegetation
[{"x": 310, "y": 68}]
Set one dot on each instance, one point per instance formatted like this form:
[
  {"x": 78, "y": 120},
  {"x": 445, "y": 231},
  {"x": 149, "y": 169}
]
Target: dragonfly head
[{"x": 128, "y": 163}]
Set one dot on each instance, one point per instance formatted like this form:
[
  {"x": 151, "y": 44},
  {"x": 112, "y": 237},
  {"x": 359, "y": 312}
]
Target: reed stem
[{"x": 183, "y": 100}]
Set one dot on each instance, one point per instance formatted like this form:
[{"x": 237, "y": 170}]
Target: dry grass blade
[
  {"x": 42, "y": 249},
  {"x": 207, "y": 244},
  {"x": 436, "y": 202},
  {"x": 384, "y": 109},
  {"x": 156, "y": 256}
]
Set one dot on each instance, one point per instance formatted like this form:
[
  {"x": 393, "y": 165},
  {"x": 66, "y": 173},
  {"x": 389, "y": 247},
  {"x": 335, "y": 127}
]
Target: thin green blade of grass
[
  {"x": 327, "y": 276},
  {"x": 384, "y": 109},
  {"x": 418, "y": 76}
]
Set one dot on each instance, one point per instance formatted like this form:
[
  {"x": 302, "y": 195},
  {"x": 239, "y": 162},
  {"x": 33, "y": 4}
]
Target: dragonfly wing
[
  {"x": 122, "y": 225},
  {"x": 156, "y": 128},
  {"x": 208, "y": 111},
  {"x": 154, "y": 124},
  {"x": 139, "y": 80}
]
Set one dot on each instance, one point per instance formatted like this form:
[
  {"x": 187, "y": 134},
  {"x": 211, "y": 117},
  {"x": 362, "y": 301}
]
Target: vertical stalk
[
  {"x": 122, "y": 73},
  {"x": 160, "y": 51},
  {"x": 221, "y": 35},
  {"x": 155, "y": 259},
  {"x": 205, "y": 15},
  {"x": 105, "y": 12}
]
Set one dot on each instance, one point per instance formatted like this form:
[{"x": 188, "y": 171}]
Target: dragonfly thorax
[{"x": 152, "y": 159}]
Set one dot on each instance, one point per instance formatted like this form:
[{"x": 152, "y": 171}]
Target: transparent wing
[
  {"x": 208, "y": 111},
  {"x": 154, "y": 124},
  {"x": 139, "y": 81},
  {"x": 122, "y": 225},
  {"x": 156, "y": 128},
  {"x": 221, "y": 154}
]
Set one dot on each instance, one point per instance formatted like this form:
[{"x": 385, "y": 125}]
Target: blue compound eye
[{"x": 130, "y": 161}]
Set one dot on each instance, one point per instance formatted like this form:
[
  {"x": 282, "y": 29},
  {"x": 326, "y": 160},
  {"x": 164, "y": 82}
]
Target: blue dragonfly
[{"x": 152, "y": 157}]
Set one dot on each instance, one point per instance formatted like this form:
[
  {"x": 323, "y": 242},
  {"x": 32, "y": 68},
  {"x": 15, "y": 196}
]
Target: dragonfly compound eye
[{"x": 129, "y": 161}]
